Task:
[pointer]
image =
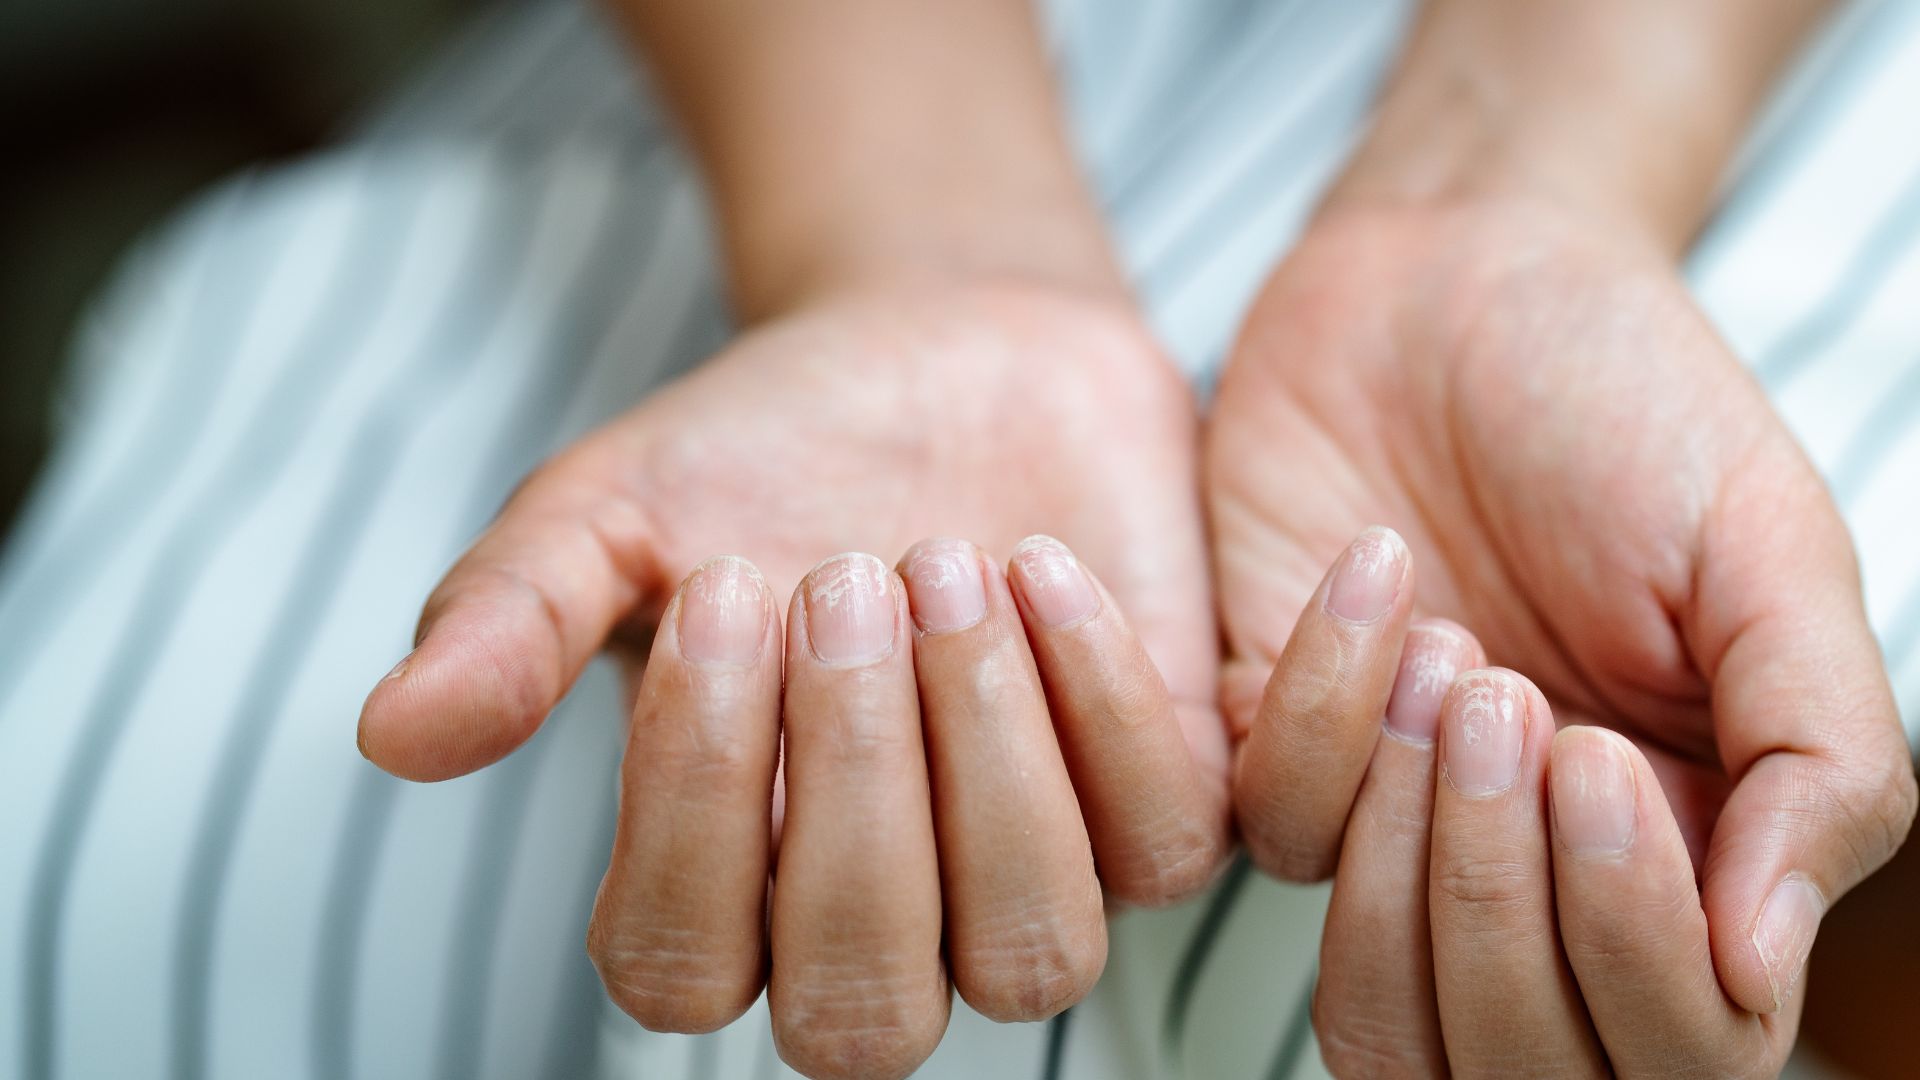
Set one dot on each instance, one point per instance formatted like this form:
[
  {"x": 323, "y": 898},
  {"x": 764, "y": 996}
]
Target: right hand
[
  {"x": 861, "y": 423},
  {"x": 1595, "y": 486}
]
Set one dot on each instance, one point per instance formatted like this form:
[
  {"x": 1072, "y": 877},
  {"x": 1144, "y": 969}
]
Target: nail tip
[
  {"x": 851, "y": 607},
  {"x": 862, "y": 557},
  {"x": 722, "y": 612},
  {"x": 739, "y": 563},
  {"x": 1483, "y": 722},
  {"x": 1784, "y": 931},
  {"x": 1366, "y": 581},
  {"x": 1038, "y": 542},
  {"x": 946, "y": 585},
  {"x": 1057, "y": 588}
]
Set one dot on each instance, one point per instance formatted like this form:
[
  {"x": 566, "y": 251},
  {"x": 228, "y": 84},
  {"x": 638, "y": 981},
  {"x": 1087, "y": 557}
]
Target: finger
[
  {"x": 1631, "y": 921},
  {"x": 677, "y": 929},
  {"x": 1026, "y": 930},
  {"x": 1806, "y": 723},
  {"x": 510, "y": 627},
  {"x": 1301, "y": 762},
  {"x": 1508, "y": 1002},
  {"x": 1158, "y": 824},
  {"x": 857, "y": 987},
  {"x": 1373, "y": 1005}
]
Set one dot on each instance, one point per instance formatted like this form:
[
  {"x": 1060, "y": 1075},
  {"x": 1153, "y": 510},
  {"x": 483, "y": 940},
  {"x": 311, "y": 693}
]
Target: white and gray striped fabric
[{"x": 301, "y": 399}]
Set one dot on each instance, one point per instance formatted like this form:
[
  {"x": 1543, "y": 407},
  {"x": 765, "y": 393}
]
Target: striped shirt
[{"x": 301, "y": 398}]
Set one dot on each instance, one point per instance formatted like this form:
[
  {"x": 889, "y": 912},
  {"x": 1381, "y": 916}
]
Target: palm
[
  {"x": 1575, "y": 460},
  {"x": 989, "y": 415}
]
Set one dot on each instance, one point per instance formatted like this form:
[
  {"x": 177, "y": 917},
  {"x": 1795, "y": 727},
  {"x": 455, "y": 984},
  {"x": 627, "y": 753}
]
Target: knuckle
[
  {"x": 1167, "y": 871},
  {"x": 872, "y": 1028},
  {"x": 863, "y": 740},
  {"x": 1634, "y": 937},
  {"x": 1282, "y": 839},
  {"x": 1302, "y": 864},
  {"x": 1359, "y": 1042},
  {"x": 670, "y": 981},
  {"x": 1283, "y": 851},
  {"x": 1489, "y": 888},
  {"x": 1891, "y": 809},
  {"x": 1030, "y": 972},
  {"x": 1872, "y": 805},
  {"x": 699, "y": 746}
]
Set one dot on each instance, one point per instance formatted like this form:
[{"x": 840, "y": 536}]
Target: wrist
[
  {"x": 851, "y": 143},
  {"x": 1623, "y": 113},
  {"x": 913, "y": 237}
]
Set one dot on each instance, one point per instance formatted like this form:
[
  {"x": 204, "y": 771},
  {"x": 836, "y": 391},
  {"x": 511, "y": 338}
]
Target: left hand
[
  {"x": 862, "y": 420},
  {"x": 1587, "y": 478}
]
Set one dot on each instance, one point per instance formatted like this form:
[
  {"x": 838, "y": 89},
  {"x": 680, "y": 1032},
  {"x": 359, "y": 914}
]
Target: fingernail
[
  {"x": 1055, "y": 584},
  {"x": 850, "y": 609},
  {"x": 1784, "y": 935},
  {"x": 723, "y": 612},
  {"x": 399, "y": 669},
  {"x": 1592, "y": 782},
  {"x": 1485, "y": 718},
  {"x": 1429, "y": 662},
  {"x": 944, "y": 588},
  {"x": 1367, "y": 577}
]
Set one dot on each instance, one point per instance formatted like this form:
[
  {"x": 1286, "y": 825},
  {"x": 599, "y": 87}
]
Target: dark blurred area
[{"x": 118, "y": 110}]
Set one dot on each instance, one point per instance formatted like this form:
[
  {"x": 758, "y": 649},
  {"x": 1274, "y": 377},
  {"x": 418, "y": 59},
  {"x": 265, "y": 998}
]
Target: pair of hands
[{"x": 1583, "y": 475}]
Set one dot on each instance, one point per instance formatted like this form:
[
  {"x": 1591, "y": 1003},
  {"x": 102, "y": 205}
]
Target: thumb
[
  {"x": 508, "y": 630},
  {"x": 1807, "y": 726}
]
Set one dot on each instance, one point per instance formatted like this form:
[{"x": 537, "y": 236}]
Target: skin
[
  {"x": 942, "y": 349},
  {"x": 1483, "y": 341},
  {"x": 576, "y": 560},
  {"x": 1455, "y": 349}
]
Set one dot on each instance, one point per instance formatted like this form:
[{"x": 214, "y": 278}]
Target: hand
[
  {"x": 1589, "y": 481},
  {"x": 895, "y": 849},
  {"x": 860, "y": 423}
]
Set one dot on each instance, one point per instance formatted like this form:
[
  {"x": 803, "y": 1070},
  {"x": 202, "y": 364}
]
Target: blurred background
[{"x": 117, "y": 110}]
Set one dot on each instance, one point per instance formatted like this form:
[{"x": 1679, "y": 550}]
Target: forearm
[
  {"x": 854, "y": 142},
  {"x": 1626, "y": 112}
]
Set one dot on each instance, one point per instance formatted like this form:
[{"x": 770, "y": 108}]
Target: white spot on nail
[
  {"x": 1433, "y": 671},
  {"x": 844, "y": 577},
  {"x": 1047, "y": 561},
  {"x": 937, "y": 566},
  {"x": 724, "y": 580}
]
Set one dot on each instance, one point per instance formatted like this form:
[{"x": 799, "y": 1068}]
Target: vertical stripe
[
  {"x": 703, "y": 1056},
  {"x": 1903, "y": 631},
  {"x": 1160, "y": 133},
  {"x": 587, "y": 335},
  {"x": 490, "y": 280},
  {"x": 573, "y": 1040},
  {"x": 381, "y": 438},
  {"x": 1319, "y": 116},
  {"x": 1193, "y": 961},
  {"x": 764, "y": 1061},
  {"x": 136, "y": 485},
  {"x": 356, "y": 854},
  {"x": 1871, "y": 30},
  {"x": 572, "y": 1033},
  {"x": 1054, "y": 1065},
  {"x": 191, "y": 251},
  {"x": 1893, "y": 418},
  {"x": 1298, "y": 1033},
  {"x": 273, "y": 434},
  {"x": 1891, "y": 237},
  {"x": 342, "y": 922}
]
